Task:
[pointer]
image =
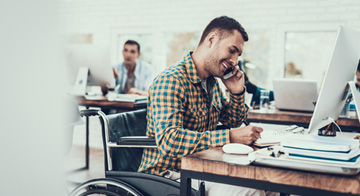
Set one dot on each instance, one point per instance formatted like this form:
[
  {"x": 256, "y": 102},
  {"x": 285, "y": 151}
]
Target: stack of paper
[
  {"x": 95, "y": 97},
  {"x": 322, "y": 148},
  {"x": 274, "y": 157},
  {"x": 127, "y": 97}
]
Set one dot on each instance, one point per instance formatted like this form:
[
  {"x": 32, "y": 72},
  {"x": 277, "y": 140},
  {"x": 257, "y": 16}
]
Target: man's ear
[
  {"x": 210, "y": 39},
  {"x": 139, "y": 55}
]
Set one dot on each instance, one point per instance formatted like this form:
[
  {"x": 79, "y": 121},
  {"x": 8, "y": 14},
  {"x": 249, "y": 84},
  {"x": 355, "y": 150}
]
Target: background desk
[
  {"x": 214, "y": 165},
  {"x": 298, "y": 118},
  {"x": 105, "y": 104}
]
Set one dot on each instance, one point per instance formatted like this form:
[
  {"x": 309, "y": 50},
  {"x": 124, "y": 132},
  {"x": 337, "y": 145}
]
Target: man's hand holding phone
[
  {"x": 228, "y": 73},
  {"x": 233, "y": 79}
]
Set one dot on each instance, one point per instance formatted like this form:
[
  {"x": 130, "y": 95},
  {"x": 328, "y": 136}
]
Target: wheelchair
[{"x": 124, "y": 139}]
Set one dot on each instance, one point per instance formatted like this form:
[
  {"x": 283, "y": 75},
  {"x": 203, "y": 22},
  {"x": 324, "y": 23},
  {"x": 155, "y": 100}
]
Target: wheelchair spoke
[{"x": 105, "y": 187}]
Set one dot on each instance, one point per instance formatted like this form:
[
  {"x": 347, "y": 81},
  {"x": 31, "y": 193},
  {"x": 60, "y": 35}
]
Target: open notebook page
[{"x": 272, "y": 134}]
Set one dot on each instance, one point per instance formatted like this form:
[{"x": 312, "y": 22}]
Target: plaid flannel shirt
[{"x": 179, "y": 117}]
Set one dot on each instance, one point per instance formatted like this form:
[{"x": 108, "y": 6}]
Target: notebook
[
  {"x": 295, "y": 94},
  {"x": 272, "y": 134}
]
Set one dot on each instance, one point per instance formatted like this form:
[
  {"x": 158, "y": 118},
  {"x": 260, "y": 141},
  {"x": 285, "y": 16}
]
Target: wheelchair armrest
[
  {"x": 135, "y": 141},
  {"x": 89, "y": 112},
  {"x": 221, "y": 126}
]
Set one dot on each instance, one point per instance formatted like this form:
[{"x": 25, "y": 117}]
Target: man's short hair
[
  {"x": 223, "y": 25},
  {"x": 358, "y": 69},
  {"x": 132, "y": 42}
]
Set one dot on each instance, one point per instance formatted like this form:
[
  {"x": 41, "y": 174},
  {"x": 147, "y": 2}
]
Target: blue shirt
[{"x": 143, "y": 76}]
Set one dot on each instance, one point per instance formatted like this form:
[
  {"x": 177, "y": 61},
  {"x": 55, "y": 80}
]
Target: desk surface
[
  {"x": 287, "y": 117},
  {"x": 214, "y": 161},
  {"x": 110, "y": 104}
]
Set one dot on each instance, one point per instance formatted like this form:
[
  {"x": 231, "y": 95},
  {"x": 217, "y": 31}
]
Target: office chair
[{"x": 123, "y": 141}]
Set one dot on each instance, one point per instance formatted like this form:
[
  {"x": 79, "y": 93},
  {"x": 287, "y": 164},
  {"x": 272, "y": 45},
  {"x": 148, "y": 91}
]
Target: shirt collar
[
  {"x": 137, "y": 71},
  {"x": 190, "y": 68},
  {"x": 192, "y": 72}
]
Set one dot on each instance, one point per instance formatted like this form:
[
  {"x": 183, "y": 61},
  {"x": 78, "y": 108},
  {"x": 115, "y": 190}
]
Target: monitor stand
[
  {"x": 329, "y": 130},
  {"x": 356, "y": 96},
  {"x": 80, "y": 82}
]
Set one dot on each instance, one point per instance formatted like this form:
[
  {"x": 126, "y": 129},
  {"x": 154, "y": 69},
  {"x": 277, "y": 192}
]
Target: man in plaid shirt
[{"x": 185, "y": 103}]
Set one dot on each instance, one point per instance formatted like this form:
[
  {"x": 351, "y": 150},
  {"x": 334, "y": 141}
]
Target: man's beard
[{"x": 212, "y": 65}]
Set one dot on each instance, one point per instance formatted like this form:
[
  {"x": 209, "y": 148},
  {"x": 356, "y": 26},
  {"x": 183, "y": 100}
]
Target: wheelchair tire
[
  {"x": 99, "y": 192},
  {"x": 105, "y": 186}
]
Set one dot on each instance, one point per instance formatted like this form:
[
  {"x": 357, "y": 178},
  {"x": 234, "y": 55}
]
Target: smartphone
[{"x": 228, "y": 73}]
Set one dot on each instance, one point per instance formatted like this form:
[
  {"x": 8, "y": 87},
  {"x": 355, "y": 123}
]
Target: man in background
[
  {"x": 132, "y": 76},
  {"x": 252, "y": 88}
]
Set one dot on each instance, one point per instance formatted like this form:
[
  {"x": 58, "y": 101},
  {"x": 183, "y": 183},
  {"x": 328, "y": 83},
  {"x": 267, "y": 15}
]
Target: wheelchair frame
[{"x": 118, "y": 183}]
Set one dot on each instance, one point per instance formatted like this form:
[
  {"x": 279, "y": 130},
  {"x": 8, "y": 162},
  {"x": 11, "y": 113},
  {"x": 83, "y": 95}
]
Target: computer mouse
[{"x": 236, "y": 148}]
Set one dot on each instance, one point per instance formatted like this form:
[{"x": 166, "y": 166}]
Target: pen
[{"x": 246, "y": 123}]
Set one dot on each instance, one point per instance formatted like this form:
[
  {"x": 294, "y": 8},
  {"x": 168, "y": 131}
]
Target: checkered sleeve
[
  {"x": 235, "y": 111},
  {"x": 168, "y": 107}
]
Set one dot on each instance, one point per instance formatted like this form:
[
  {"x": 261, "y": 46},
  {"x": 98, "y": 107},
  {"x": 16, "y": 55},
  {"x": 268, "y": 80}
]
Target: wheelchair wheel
[
  {"x": 99, "y": 192},
  {"x": 105, "y": 186}
]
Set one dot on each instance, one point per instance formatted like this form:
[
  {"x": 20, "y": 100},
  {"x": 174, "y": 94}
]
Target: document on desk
[
  {"x": 127, "y": 97},
  {"x": 95, "y": 97},
  {"x": 320, "y": 143},
  {"x": 301, "y": 153},
  {"x": 271, "y": 135},
  {"x": 322, "y": 149},
  {"x": 273, "y": 156}
]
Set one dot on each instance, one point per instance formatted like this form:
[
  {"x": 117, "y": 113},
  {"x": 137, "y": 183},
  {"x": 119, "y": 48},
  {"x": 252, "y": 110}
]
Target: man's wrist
[{"x": 238, "y": 94}]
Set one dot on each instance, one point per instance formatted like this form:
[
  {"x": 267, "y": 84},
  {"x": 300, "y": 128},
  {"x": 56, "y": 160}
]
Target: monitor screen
[
  {"x": 341, "y": 69},
  {"x": 94, "y": 57}
]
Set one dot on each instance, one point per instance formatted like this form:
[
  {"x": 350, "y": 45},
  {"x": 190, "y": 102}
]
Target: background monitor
[
  {"x": 295, "y": 94},
  {"x": 96, "y": 58},
  {"x": 341, "y": 70}
]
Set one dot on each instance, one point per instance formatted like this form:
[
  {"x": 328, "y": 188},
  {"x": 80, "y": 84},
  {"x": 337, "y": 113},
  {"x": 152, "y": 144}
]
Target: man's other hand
[
  {"x": 116, "y": 74},
  {"x": 137, "y": 91},
  {"x": 245, "y": 135},
  {"x": 104, "y": 89}
]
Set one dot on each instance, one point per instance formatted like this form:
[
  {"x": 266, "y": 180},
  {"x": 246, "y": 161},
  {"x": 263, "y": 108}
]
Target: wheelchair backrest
[{"x": 131, "y": 123}]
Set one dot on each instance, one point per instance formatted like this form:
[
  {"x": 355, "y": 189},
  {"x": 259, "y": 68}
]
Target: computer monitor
[
  {"x": 335, "y": 88},
  {"x": 94, "y": 57}
]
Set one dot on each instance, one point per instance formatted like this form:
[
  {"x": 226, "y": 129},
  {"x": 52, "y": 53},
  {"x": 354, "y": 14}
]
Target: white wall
[
  {"x": 102, "y": 18},
  {"x": 99, "y": 17}
]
